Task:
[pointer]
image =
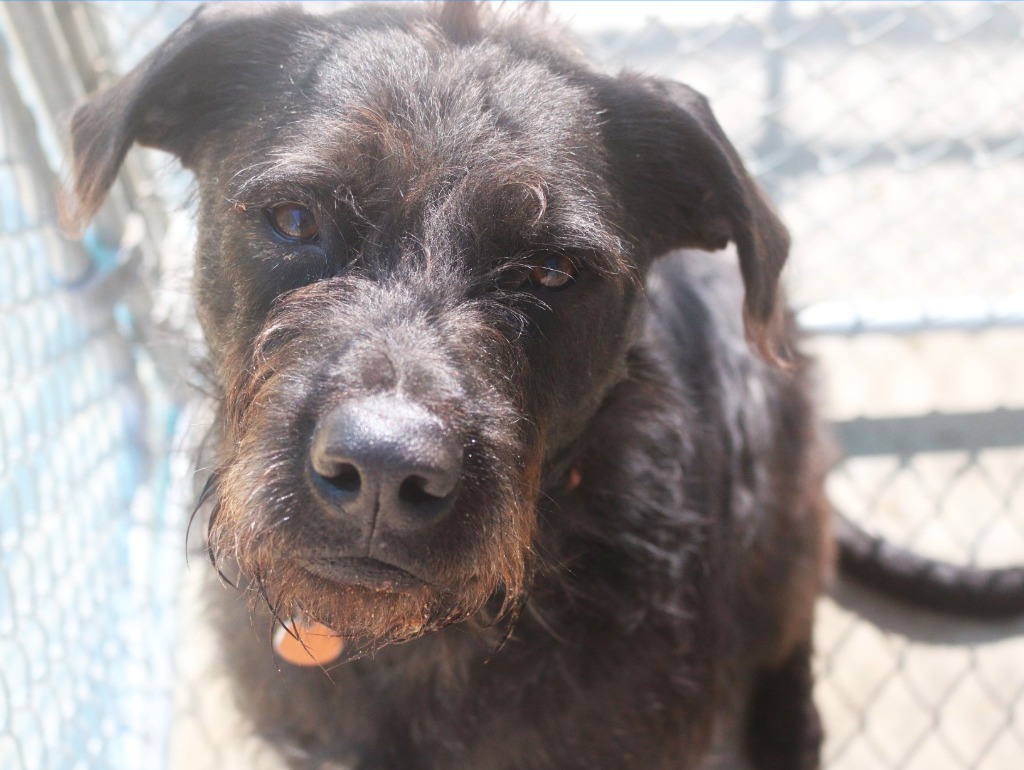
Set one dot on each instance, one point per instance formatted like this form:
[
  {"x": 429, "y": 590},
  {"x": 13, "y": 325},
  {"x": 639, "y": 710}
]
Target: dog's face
[{"x": 422, "y": 241}]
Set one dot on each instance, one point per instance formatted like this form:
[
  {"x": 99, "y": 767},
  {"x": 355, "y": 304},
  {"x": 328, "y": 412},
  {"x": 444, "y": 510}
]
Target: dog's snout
[{"x": 386, "y": 459}]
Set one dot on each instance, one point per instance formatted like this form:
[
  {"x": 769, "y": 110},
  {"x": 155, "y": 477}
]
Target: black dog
[{"x": 475, "y": 396}]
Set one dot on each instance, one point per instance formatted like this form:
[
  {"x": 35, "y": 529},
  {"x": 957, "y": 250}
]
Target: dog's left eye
[
  {"x": 294, "y": 222},
  {"x": 556, "y": 272}
]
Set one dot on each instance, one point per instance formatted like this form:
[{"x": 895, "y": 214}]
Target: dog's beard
[
  {"x": 259, "y": 531},
  {"x": 250, "y": 543}
]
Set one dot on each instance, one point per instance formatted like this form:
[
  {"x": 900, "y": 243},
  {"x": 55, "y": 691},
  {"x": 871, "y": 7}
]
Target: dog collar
[{"x": 307, "y": 643}]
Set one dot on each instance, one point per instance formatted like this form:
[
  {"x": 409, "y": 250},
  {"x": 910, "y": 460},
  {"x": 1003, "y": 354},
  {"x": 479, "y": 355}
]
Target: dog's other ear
[
  {"x": 460, "y": 21},
  {"x": 684, "y": 186},
  {"x": 172, "y": 96}
]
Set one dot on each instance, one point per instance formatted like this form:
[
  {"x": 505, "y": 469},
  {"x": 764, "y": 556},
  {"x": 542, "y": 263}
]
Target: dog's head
[{"x": 423, "y": 233}]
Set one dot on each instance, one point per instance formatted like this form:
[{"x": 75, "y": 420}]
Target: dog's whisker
[{"x": 207, "y": 493}]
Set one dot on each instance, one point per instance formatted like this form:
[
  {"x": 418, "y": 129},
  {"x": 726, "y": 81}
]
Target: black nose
[{"x": 388, "y": 460}]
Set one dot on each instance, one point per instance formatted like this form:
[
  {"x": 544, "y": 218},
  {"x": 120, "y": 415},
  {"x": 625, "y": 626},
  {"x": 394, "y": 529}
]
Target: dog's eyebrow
[
  {"x": 265, "y": 181},
  {"x": 570, "y": 223},
  {"x": 608, "y": 262},
  {"x": 578, "y": 229}
]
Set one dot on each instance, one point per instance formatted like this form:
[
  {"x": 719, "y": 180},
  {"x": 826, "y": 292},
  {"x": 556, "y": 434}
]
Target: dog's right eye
[{"x": 294, "y": 222}]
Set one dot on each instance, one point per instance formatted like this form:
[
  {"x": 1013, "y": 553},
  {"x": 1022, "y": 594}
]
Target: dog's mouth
[{"x": 361, "y": 571}]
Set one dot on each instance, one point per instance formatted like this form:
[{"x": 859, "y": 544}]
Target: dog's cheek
[
  {"x": 238, "y": 278},
  {"x": 576, "y": 354}
]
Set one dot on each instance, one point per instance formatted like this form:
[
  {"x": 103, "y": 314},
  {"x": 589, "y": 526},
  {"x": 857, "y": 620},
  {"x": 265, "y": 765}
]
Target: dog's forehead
[
  {"x": 421, "y": 79},
  {"x": 401, "y": 120}
]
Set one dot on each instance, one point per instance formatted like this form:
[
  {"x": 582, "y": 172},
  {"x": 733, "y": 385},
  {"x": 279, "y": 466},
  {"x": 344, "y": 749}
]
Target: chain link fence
[{"x": 890, "y": 134}]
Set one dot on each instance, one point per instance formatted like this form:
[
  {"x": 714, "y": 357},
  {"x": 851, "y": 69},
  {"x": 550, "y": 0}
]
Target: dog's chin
[{"x": 367, "y": 602}]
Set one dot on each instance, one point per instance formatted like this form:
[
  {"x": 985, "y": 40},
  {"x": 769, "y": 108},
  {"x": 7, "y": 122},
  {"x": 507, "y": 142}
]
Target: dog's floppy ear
[
  {"x": 180, "y": 89},
  {"x": 684, "y": 186}
]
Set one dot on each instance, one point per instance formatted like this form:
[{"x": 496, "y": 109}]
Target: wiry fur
[
  {"x": 257, "y": 495},
  {"x": 640, "y": 508}
]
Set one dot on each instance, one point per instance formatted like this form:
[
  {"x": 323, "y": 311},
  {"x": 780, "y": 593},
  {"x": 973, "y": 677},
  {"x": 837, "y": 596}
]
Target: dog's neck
[{"x": 589, "y": 508}]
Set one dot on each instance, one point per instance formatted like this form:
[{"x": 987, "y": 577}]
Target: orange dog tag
[{"x": 307, "y": 644}]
